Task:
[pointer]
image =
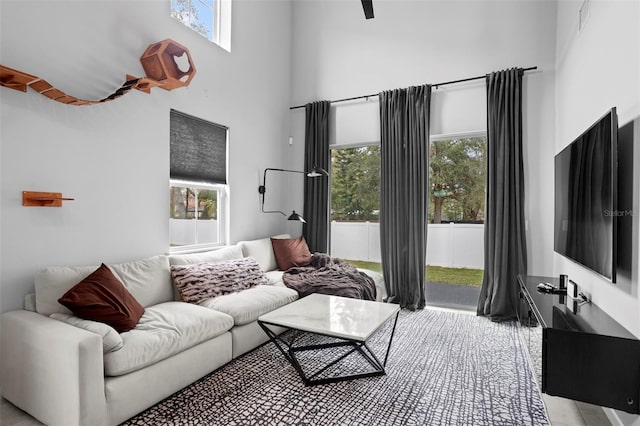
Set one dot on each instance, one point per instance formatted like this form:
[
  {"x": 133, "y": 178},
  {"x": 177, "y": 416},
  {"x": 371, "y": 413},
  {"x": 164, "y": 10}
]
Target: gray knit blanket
[{"x": 327, "y": 275}]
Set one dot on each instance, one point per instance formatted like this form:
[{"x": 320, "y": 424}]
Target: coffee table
[{"x": 347, "y": 322}]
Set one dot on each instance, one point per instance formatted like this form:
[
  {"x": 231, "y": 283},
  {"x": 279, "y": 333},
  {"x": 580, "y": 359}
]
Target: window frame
[
  {"x": 337, "y": 147},
  {"x": 186, "y": 150},
  {"x": 220, "y": 29},
  {"x": 223, "y": 205},
  {"x": 456, "y": 135}
]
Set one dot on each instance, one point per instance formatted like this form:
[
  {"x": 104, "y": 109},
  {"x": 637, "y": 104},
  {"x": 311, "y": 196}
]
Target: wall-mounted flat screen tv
[{"x": 585, "y": 197}]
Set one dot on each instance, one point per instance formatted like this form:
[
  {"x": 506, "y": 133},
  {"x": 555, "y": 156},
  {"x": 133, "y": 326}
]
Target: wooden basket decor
[{"x": 168, "y": 65}]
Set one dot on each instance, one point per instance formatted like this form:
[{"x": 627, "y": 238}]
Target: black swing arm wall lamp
[{"x": 315, "y": 172}]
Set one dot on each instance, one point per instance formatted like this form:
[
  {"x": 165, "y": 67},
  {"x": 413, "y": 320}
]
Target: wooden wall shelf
[{"x": 43, "y": 199}]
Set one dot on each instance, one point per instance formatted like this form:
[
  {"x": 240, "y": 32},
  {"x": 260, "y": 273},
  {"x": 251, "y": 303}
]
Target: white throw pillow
[
  {"x": 213, "y": 256},
  {"x": 111, "y": 340},
  {"x": 53, "y": 282},
  {"x": 262, "y": 251},
  {"x": 148, "y": 280}
]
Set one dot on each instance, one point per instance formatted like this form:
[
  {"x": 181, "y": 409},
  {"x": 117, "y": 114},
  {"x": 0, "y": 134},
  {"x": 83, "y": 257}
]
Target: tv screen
[{"x": 585, "y": 197}]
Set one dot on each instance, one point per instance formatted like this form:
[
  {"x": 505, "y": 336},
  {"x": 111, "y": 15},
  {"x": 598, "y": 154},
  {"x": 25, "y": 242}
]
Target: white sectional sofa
[{"x": 67, "y": 371}]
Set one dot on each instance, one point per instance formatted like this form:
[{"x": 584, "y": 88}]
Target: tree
[
  {"x": 179, "y": 200},
  {"x": 457, "y": 179},
  {"x": 355, "y": 185},
  {"x": 208, "y": 204},
  {"x": 183, "y": 203},
  {"x": 185, "y": 12}
]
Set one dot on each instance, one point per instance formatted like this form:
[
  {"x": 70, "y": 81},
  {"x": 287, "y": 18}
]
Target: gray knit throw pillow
[{"x": 201, "y": 281}]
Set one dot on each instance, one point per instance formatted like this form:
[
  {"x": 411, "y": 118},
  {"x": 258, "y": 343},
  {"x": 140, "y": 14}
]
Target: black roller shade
[{"x": 198, "y": 149}]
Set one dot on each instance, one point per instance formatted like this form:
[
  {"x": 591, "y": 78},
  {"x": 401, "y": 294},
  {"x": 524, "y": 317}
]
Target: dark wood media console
[{"x": 586, "y": 355}]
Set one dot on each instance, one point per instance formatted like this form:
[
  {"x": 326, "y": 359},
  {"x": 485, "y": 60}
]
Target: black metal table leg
[{"x": 289, "y": 351}]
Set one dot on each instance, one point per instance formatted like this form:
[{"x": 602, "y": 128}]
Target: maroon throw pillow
[
  {"x": 102, "y": 297},
  {"x": 291, "y": 252}
]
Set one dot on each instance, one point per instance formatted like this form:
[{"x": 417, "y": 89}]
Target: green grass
[
  {"x": 460, "y": 276},
  {"x": 435, "y": 274}
]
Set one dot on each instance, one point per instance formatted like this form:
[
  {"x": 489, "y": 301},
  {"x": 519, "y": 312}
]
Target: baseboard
[{"x": 620, "y": 418}]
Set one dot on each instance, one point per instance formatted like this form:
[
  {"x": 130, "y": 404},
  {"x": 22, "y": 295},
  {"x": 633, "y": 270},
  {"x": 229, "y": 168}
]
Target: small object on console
[
  {"x": 572, "y": 290},
  {"x": 545, "y": 287},
  {"x": 564, "y": 279}
]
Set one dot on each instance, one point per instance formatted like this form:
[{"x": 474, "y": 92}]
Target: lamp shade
[
  {"x": 296, "y": 216},
  {"x": 317, "y": 172}
]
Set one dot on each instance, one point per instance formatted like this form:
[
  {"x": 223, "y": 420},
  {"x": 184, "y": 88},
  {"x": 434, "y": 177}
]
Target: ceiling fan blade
[{"x": 367, "y": 5}]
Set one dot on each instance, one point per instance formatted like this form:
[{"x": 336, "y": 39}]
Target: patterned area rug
[{"x": 444, "y": 368}]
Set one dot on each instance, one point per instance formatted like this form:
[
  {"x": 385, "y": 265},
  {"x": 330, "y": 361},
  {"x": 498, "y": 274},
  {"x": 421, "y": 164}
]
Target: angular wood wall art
[
  {"x": 168, "y": 65},
  {"x": 160, "y": 62}
]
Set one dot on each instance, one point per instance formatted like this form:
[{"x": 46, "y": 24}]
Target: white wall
[
  {"x": 114, "y": 158},
  {"x": 598, "y": 68},
  {"x": 338, "y": 54}
]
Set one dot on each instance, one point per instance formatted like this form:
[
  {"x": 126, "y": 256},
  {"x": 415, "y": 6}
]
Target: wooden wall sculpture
[{"x": 168, "y": 65}]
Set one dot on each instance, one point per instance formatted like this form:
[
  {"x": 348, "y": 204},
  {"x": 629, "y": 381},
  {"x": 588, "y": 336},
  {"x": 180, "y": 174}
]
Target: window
[
  {"x": 198, "y": 190},
  {"x": 457, "y": 179},
  {"x": 209, "y": 18},
  {"x": 355, "y": 204},
  {"x": 195, "y": 217},
  {"x": 355, "y": 184}
]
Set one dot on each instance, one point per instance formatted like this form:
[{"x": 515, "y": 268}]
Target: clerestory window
[{"x": 209, "y": 18}]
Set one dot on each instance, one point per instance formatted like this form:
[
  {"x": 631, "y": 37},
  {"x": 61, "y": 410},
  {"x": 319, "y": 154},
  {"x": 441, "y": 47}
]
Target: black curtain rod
[{"x": 433, "y": 85}]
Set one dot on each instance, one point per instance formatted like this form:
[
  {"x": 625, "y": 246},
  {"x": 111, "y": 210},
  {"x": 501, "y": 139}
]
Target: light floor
[
  {"x": 562, "y": 412},
  {"x": 565, "y": 412}
]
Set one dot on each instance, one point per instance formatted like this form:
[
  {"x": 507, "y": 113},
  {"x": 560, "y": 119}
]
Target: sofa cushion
[
  {"x": 202, "y": 281},
  {"x": 226, "y": 253},
  {"x": 275, "y": 277},
  {"x": 111, "y": 339},
  {"x": 30, "y": 302},
  {"x": 54, "y": 281},
  {"x": 291, "y": 252},
  {"x": 101, "y": 296},
  {"x": 378, "y": 280},
  {"x": 148, "y": 280},
  {"x": 246, "y": 306},
  {"x": 262, "y": 251},
  {"x": 165, "y": 330}
]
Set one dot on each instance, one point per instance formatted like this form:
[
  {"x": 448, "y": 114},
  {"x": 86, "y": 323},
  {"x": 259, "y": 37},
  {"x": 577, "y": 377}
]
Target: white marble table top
[{"x": 334, "y": 316}]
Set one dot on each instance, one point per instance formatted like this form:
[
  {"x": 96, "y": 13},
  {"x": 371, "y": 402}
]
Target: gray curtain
[
  {"x": 404, "y": 192},
  {"x": 316, "y": 190},
  {"x": 505, "y": 250}
]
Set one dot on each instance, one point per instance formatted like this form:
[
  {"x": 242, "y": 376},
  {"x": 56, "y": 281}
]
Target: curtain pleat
[
  {"x": 404, "y": 192},
  {"x": 316, "y": 190},
  {"x": 505, "y": 250}
]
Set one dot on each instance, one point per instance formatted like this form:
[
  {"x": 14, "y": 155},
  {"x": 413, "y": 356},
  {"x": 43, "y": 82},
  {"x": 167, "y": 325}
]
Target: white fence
[
  {"x": 184, "y": 231},
  {"x": 454, "y": 245}
]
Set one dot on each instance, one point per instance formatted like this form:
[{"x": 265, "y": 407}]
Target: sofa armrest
[
  {"x": 52, "y": 370},
  {"x": 378, "y": 280}
]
